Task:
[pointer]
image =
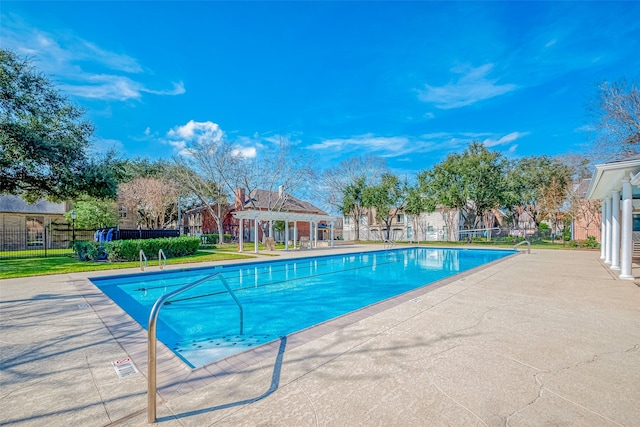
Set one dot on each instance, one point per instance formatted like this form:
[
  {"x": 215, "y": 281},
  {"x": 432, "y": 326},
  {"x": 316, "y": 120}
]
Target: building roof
[
  {"x": 272, "y": 200},
  {"x": 608, "y": 176},
  {"x": 264, "y": 200},
  {"x": 15, "y": 204}
]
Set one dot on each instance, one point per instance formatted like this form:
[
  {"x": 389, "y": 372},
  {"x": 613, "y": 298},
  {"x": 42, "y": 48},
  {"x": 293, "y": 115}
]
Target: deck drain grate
[
  {"x": 83, "y": 306},
  {"x": 415, "y": 300},
  {"x": 124, "y": 367}
]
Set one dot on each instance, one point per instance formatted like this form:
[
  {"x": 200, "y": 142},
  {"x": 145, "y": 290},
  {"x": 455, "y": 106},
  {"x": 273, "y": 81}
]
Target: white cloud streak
[
  {"x": 398, "y": 147},
  {"x": 80, "y": 67},
  {"x": 472, "y": 86}
]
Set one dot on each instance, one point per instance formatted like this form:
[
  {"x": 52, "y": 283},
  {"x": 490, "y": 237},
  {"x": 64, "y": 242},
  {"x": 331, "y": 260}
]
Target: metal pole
[{"x": 151, "y": 346}]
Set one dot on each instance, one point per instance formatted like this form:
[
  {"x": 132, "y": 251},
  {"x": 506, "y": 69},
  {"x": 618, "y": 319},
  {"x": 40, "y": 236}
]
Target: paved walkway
[{"x": 550, "y": 338}]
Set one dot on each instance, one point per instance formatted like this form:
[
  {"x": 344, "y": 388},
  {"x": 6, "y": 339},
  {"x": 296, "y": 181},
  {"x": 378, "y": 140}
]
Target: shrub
[
  {"x": 129, "y": 250},
  {"x": 209, "y": 239},
  {"x": 86, "y": 251},
  {"x": 591, "y": 243}
]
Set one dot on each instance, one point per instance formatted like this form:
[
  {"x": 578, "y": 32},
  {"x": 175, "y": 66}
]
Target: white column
[
  {"x": 295, "y": 233},
  {"x": 255, "y": 239},
  {"x": 607, "y": 237},
  {"x": 310, "y": 235},
  {"x": 332, "y": 233},
  {"x": 603, "y": 230},
  {"x": 286, "y": 235},
  {"x": 241, "y": 235},
  {"x": 626, "y": 235},
  {"x": 615, "y": 230}
]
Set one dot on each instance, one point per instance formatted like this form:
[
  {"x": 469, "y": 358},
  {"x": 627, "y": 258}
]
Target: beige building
[
  {"x": 24, "y": 225},
  {"x": 441, "y": 225}
]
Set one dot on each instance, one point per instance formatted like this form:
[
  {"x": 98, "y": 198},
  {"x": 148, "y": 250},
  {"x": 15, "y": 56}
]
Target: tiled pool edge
[{"x": 176, "y": 378}]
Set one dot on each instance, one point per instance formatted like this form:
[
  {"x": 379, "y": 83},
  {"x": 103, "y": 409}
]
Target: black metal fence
[
  {"x": 58, "y": 241},
  {"x": 43, "y": 242}
]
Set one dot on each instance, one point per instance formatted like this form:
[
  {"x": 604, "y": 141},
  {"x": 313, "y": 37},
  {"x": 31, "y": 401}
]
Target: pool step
[{"x": 216, "y": 348}]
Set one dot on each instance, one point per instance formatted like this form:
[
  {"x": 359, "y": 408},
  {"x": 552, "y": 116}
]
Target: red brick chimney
[{"x": 240, "y": 199}]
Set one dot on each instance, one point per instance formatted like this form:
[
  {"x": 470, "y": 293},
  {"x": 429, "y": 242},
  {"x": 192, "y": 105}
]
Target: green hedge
[
  {"x": 129, "y": 250},
  {"x": 86, "y": 251}
]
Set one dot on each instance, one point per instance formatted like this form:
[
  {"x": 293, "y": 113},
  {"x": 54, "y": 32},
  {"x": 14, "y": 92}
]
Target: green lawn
[{"x": 24, "y": 267}]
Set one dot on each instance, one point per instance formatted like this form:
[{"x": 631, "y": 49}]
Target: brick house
[{"x": 200, "y": 221}]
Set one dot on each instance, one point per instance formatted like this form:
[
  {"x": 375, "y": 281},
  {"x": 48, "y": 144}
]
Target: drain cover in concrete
[{"x": 124, "y": 367}]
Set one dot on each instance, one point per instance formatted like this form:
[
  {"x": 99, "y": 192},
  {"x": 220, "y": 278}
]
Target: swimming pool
[{"x": 202, "y": 325}]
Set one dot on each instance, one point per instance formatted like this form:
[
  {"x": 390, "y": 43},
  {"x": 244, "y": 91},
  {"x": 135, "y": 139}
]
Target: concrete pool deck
[{"x": 547, "y": 338}]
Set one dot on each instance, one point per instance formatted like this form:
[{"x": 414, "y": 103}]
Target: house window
[
  {"x": 347, "y": 220},
  {"x": 400, "y": 219},
  {"x": 35, "y": 231},
  {"x": 430, "y": 228},
  {"x": 123, "y": 213}
]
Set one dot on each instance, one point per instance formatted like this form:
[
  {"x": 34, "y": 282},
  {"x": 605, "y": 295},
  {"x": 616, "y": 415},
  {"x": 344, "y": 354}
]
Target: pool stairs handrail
[
  {"x": 162, "y": 257},
  {"x": 388, "y": 244},
  {"x": 151, "y": 337},
  {"x": 522, "y": 243},
  {"x": 146, "y": 262}
]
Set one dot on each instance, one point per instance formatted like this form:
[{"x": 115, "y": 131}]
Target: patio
[{"x": 547, "y": 338}]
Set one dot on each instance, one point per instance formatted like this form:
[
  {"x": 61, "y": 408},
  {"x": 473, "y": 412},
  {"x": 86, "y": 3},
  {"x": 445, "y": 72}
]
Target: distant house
[
  {"x": 200, "y": 221},
  {"x": 22, "y": 224}
]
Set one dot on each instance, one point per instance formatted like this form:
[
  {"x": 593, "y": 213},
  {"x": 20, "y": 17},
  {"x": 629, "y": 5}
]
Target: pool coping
[{"x": 175, "y": 377}]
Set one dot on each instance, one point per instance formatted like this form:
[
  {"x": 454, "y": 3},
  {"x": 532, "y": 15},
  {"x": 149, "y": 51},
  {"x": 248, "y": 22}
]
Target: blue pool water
[{"x": 280, "y": 297}]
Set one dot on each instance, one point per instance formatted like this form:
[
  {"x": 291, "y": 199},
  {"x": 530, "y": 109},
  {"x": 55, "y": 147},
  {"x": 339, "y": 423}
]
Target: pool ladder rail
[
  {"x": 162, "y": 260},
  {"x": 151, "y": 336},
  {"x": 522, "y": 243}
]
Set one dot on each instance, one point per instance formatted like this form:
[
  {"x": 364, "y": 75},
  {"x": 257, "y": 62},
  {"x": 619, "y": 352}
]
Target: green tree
[
  {"x": 531, "y": 178},
  {"x": 94, "y": 213},
  {"x": 472, "y": 183},
  {"x": 352, "y": 205},
  {"x": 44, "y": 139},
  {"x": 341, "y": 187},
  {"x": 416, "y": 204},
  {"x": 387, "y": 199}
]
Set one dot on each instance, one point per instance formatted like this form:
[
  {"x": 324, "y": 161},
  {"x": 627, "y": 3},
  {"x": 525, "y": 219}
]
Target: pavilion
[
  {"x": 260, "y": 215},
  {"x": 616, "y": 184}
]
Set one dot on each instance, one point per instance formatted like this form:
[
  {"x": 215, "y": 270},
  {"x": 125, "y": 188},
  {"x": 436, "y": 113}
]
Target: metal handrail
[
  {"x": 522, "y": 243},
  {"x": 146, "y": 262},
  {"x": 161, "y": 257},
  {"x": 151, "y": 337}
]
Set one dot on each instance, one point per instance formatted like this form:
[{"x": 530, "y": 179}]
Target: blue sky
[{"x": 406, "y": 81}]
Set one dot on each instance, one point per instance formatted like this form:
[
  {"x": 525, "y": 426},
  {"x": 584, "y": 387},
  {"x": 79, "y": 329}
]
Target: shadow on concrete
[{"x": 275, "y": 383}]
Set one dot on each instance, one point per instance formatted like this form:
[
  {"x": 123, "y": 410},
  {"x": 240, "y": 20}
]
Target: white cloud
[
  {"x": 401, "y": 147},
  {"x": 196, "y": 131},
  {"x": 246, "y": 152},
  {"x": 80, "y": 67},
  {"x": 472, "y": 86},
  {"x": 183, "y": 138},
  {"x": 506, "y": 139},
  {"x": 394, "y": 146}
]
